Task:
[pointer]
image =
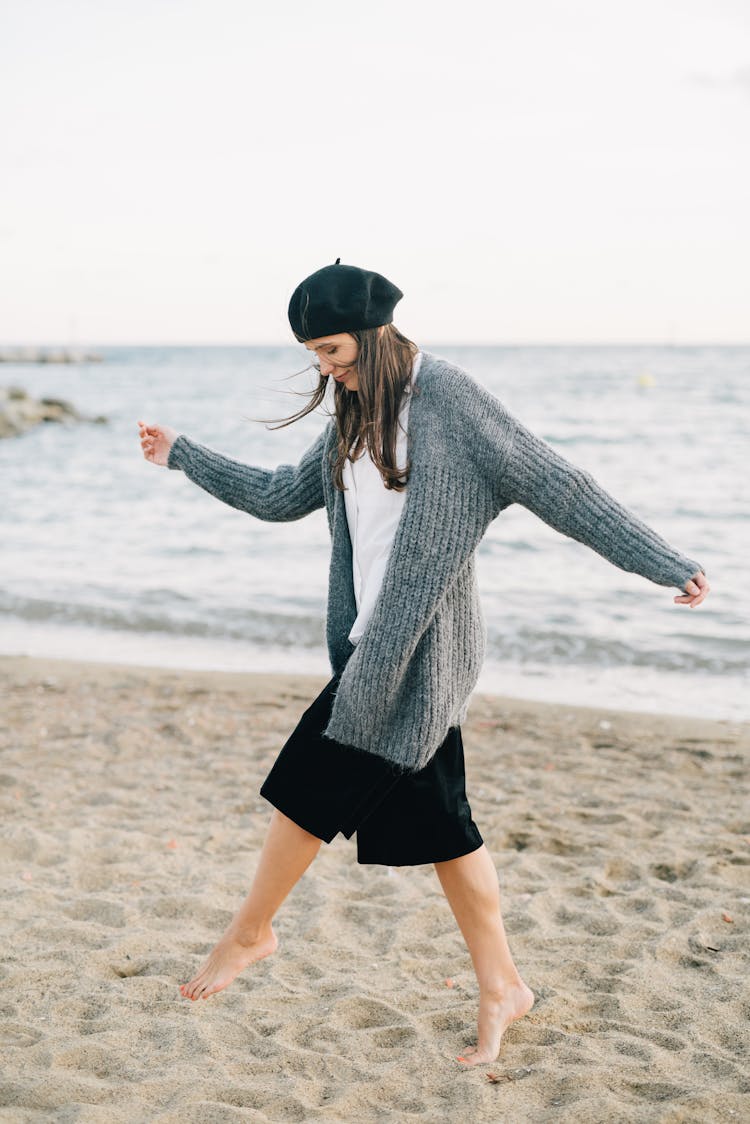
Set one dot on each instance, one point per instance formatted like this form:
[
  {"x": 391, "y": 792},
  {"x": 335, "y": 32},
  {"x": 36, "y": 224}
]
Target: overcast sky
[{"x": 525, "y": 171}]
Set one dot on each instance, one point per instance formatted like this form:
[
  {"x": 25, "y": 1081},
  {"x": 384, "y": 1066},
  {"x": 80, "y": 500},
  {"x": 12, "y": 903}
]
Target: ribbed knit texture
[{"x": 409, "y": 678}]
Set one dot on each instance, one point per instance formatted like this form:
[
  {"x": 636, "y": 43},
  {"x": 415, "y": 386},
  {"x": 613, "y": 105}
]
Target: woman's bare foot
[
  {"x": 226, "y": 960},
  {"x": 496, "y": 1013}
]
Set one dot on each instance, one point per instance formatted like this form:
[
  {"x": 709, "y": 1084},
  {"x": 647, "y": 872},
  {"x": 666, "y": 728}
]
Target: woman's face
[{"x": 338, "y": 357}]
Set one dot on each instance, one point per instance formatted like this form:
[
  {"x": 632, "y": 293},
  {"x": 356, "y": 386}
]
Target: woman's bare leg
[
  {"x": 471, "y": 887},
  {"x": 287, "y": 852}
]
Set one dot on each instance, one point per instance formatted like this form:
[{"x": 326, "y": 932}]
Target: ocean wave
[
  {"x": 522, "y": 646},
  {"x": 697, "y": 655},
  {"x": 297, "y": 630}
]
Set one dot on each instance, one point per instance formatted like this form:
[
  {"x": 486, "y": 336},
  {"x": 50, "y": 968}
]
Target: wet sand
[{"x": 131, "y": 824}]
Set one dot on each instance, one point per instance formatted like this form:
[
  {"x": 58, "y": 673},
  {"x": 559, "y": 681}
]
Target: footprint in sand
[
  {"x": 97, "y": 909},
  {"x": 90, "y": 1058},
  {"x": 633, "y": 1050},
  {"x": 602, "y": 925},
  {"x": 224, "y": 1106},
  {"x": 519, "y": 923},
  {"x": 87, "y": 1016},
  {"x": 655, "y": 1091},
  {"x": 643, "y": 906},
  {"x": 391, "y": 1037},
  {"x": 296, "y": 970},
  {"x": 272, "y": 1107},
  {"x": 600, "y": 817},
  {"x": 362, "y": 1013},
  {"x": 379, "y": 889},
  {"x": 714, "y": 1067},
  {"x": 14, "y": 1034},
  {"x": 670, "y": 872},
  {"x": 127, "y": 969},
  {"x": 453, "y": 1021},
  {"x": 621, "y": 871},
  {"x": 389, "y": 1029},
  {"x": 310, "y": 1035},
  {"x": 531, "y": 1034},
  {"x": 560, "y": 1092},
  {"x": 643, "y": 1033},
  {"x": 176, "y": 908}
]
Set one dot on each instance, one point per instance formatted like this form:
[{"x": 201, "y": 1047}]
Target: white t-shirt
[{"x": 373, "y": 512}]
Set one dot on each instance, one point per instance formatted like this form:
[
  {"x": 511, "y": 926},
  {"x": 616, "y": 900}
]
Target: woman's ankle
[
  {"x": 500, "y": 987},
  {"x": 249, "y": 932}
]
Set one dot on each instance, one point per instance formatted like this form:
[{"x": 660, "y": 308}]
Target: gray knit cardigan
[{"x": 409, "y": 678}]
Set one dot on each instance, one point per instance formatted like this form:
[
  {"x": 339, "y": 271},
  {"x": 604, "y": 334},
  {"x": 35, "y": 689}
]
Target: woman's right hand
[
  {"x": 696, "y": 590},
  {"x": 156, "y": 441}
]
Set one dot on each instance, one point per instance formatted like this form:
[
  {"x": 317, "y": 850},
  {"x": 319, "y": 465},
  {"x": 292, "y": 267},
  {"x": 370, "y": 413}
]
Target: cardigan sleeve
[
  {"x": 275, "y": 495},
  {"x": 525, "y": 469}
]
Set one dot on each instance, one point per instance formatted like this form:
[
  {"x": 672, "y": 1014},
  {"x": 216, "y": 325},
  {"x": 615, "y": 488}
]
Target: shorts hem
[
  {"x": 299, "y": 819},
  {"x": 436, "y": 855}
]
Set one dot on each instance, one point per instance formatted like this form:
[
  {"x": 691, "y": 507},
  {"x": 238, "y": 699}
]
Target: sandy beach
[{"x": 131, "y": 823}]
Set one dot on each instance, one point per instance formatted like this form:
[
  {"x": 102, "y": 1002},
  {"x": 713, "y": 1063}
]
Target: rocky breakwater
[
  {"x": 20, "y": 411},
  {"x": 47, "y": 355}
]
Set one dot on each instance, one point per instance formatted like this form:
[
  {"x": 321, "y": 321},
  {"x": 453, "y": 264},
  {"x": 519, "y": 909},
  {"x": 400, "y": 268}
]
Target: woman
[{"x": 416, "y": 461}]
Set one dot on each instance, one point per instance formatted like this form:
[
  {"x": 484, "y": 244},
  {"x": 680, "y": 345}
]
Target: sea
[{"x": 108, "y": 557}]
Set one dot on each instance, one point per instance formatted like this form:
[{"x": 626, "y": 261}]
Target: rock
[
  {"x": 20, "y": 412},
  {"x": 61, "y": 402},
  {"x": 47, "y": 355}
]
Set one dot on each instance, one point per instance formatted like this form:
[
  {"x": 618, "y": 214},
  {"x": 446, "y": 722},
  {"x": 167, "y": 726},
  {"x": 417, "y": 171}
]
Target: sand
[{"x": 131, "y": 823}]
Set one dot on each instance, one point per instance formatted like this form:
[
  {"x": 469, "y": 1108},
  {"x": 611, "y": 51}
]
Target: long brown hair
[{"x": 369, "y": 415}]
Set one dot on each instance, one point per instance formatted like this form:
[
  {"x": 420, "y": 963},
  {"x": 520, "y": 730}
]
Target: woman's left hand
[{"x": 697, "y": 588}]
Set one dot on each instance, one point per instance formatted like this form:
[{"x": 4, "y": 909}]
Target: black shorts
[{"x": 401, "y": 818}]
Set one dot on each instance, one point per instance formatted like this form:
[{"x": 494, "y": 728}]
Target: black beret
[{"x": 341, "y": 298}]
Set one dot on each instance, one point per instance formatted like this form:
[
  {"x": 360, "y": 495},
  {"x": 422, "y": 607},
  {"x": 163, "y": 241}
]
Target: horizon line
[{"x": 445, "y": 343}]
